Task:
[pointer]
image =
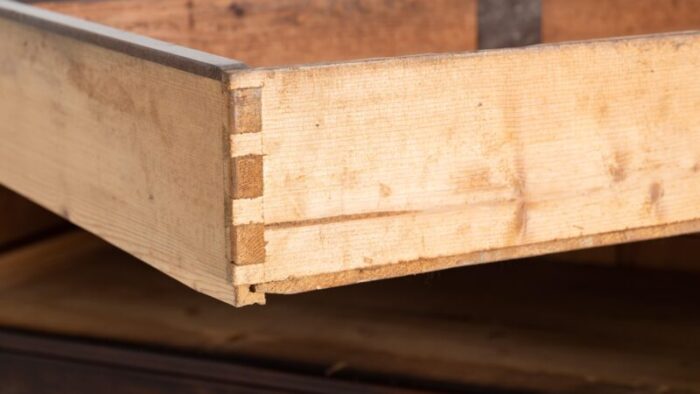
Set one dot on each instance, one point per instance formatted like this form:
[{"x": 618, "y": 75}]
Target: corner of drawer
[{"x": 246, "y": 78}]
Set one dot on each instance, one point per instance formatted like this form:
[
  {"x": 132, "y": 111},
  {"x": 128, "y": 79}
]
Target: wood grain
[
  {"x": 436, "y": 161},
  {"x": 564, "y": 20},
  {"x": 130, "y": 149},
  {"x": 275, "y": 32}
]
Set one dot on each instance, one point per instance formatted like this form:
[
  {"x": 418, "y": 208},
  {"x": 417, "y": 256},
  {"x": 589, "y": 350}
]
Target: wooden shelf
[{"x": 528, "y": 325}]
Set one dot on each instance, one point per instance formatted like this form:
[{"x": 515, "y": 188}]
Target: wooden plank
[
  {"x": 274, "y": 32},
  {"x": 130, "y": 148},
  {"x": 585, "y": 19},
  {"x": 530, "y": 326},
  {"x": 395, "y": 166}
]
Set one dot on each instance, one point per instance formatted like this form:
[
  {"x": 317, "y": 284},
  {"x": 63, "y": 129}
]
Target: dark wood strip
[
  {"x": 171, "y": 55},
  {"x": 337, "y": 219},
  {"x": 66, "y": 365},
  {"x": 508, "y": 23}
]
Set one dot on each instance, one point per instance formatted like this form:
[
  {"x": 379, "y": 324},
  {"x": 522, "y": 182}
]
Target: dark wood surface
[
  {"x": 529, "y": 325},
  {"x": 31, "y": 364},
  {"x": 22, "y": 221},
  {"x": 508, "y": 23}
]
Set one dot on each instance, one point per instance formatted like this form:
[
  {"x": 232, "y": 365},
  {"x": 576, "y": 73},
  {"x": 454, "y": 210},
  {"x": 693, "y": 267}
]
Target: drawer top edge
[{"x": 186, "y": 59}]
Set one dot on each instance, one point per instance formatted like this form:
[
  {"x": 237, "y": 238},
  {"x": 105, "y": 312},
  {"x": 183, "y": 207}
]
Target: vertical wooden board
[
  {"x": 274, "y": 32},
  {"x": 132, "y": 150},
  {"x": 400, "y": 160},
  {"x": 585, "y": 19}
]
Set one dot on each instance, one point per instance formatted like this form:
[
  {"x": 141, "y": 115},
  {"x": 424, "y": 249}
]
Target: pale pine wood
[
  {"x": 129, "y": 149},
  {"x": 564, "y": 20},
  {"x": 275, "y": 32},
  {"x": 527, "y": 326},
  {"x": 401, "y": 165}
]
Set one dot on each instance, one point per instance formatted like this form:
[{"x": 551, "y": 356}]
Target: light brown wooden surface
[
  {"x": 564, "y": 20},
  {"x": 405, "y": 165},
  {"x": 275, "y": 32},
  {"x": 524, "y": 325},
  {"x": 129, "y": 149}
]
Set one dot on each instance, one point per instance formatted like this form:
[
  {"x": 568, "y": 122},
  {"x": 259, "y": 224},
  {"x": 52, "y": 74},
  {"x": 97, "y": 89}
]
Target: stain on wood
[{"x": 527, "y": 153}]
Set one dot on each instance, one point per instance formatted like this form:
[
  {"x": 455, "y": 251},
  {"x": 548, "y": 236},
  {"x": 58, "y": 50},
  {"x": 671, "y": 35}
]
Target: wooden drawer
[{"x": 240, "y": 180}]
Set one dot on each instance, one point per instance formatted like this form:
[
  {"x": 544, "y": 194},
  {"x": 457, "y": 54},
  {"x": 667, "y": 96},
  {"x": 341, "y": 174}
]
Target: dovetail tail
[
  {"x": 248, "y": 241},
  {"x": 247, "y": 176},
  {"x": 247, "y": 116}
]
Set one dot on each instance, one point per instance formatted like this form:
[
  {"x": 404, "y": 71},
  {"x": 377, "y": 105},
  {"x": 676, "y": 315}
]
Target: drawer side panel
[
  {"x": 129, "y": 149},
  {"x": 542, "y": 149}
]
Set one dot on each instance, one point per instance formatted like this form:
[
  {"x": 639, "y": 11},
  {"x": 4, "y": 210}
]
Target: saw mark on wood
[{"x": 336, "y": 219}]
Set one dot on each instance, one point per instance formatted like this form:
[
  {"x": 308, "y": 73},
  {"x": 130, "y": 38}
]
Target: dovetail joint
[{"x": 248, "y": 230}]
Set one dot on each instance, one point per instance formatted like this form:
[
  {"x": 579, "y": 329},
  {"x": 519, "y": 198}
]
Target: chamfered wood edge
[
  {"x": 404, "y": 268},
  {"x": 171, "y": 55}
]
